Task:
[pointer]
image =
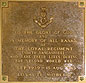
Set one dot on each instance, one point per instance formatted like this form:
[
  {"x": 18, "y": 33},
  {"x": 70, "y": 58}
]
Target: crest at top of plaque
[{"x": 43, "y": 21}]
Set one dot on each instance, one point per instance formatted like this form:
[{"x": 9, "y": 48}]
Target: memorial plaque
[{"x": 42, "y": 41}]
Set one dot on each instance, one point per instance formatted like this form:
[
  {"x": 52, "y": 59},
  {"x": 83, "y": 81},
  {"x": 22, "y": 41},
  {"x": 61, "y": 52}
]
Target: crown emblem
[{"x": 43, "y": 21}]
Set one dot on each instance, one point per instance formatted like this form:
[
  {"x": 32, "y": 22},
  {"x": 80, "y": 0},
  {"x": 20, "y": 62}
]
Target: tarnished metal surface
[{"x": 43, "y": 41}]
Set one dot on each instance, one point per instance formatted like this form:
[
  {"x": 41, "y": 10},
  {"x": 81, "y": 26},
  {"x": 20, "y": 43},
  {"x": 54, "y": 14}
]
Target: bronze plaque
[{"x": 42, "y": 41}]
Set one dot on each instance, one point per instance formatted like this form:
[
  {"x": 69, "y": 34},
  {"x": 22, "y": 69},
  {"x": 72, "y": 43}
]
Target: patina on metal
[{"x": 42, "y": 41}]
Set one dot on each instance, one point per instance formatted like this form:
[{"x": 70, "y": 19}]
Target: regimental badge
[{"x": 43, "y": 21}]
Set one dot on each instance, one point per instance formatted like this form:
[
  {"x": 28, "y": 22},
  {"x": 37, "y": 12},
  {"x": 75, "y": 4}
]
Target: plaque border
[{"x": 6, "y": 4}]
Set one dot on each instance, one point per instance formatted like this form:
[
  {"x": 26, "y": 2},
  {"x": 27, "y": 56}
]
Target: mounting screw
[
  {"x": 4, "y": 4},
  {"x": 4, "y": 78},
  {"x": 81, "y": 78},
  {"x": 81, "y": 3}
]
